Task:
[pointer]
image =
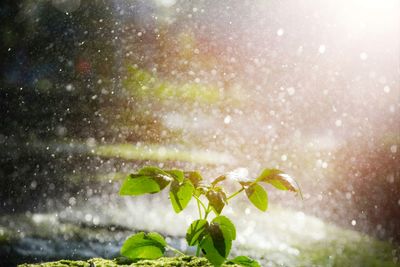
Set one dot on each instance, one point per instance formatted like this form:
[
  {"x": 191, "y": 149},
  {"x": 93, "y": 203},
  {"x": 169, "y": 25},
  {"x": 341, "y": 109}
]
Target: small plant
[{"x": 213, "y": 237}]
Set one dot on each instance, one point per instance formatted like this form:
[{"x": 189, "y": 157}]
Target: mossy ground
[
  {"x": 187, "y": 261},
  {"x": 283, "y": 238}
]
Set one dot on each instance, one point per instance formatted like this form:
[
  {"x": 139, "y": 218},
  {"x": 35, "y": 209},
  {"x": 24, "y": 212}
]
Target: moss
[
  {"x": 323, "y": 245},
  {"x": 187, "y": 261},
  {"x": 61, "y": 263}
]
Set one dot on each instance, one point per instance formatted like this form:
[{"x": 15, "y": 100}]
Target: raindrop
[
  {"x": 33, "y": 185},
  {"x": 72, "y": 201},
  {"x": 393, "y": 148},
  {"x": 338, "y": 123},
  {"x": 280, "y": 32},
  {"x": 386, "y": 89},
  {"x": 291, "y": 90},
  {"x": 96, "y": 220},
  {"x": 363, "y": 56},
  {"x": 227, "y": 119},
  {"x": 353, "y": 222},
  {"x": 322, "y": 49},
  {"x": 88, "y": 217},
  {"x": 69, "y": 87}
]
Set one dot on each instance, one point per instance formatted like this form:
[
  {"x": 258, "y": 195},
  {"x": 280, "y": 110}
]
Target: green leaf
[
  {"x": 278, "y": 179},
  {"x": 217, "y": 199},
  {"x": 221, "y": 244},
  {"x": 194, "y": 177},
  {"x": 201, "y": 190},
  {"x": 158, "y": 238},
  {"x": 227, "y": 227},
  {"x": 210, "y": 251},
  {"x": 144, "y": 246},
  {"x": 161, "y": 177},
  {"x": 258, "y": 196},
  {"x": 196, "y": 232},
  {"x": 178, "y": 175},
  {"x": 218, "y": 242},
  {"x": 147, "y": 180},
  {"x": 180, "y": 194},
  {"x": 138, "y": 186},
  {"x": 244, "y": 261}
]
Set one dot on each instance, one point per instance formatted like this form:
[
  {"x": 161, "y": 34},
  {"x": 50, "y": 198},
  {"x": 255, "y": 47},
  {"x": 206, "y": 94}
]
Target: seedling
[{"x": 212, "y": 237}]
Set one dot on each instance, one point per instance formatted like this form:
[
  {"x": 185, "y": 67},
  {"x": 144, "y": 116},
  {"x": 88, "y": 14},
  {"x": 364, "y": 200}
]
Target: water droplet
[
  {"x": 363, "y": 56},
  {"x": 88, "y": 217},
  {"x": 353, "y": 222},
  {"x": 227, "y": 119},
  {"x": 386, "y": 89},
  {"x": 291, "y": 90},
  {"x": 33, "y": 185},
  {"x": 69, "y": 87},
  {"x": 72, "y": 201},
  {"x": 322, "y": 49}
]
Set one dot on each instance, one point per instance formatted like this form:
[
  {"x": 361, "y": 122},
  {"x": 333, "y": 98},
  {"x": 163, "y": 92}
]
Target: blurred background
[{"x": 93, "y": 90}]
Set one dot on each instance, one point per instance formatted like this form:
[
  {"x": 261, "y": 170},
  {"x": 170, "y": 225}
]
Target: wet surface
[{"x": 97, "y": 229}]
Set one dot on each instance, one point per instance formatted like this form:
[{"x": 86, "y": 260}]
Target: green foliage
[
  {"x": 278, "y": 179},
  {"x": 258, "y": 196},
  {"x": 217, "y": 199},
  {"x": 181, "y": 194},
  {"x": 196, "y": 232},
  {"x": 214, "y": 238},
  {"x": 147, "y": 180},
  {"x": 221, "y": 232},
  {"x": 212, "y": 246},
  {"x": 138, "y": 186},
  {"x": 244, "y": 261},
  {"x": 144, "y": 246}
]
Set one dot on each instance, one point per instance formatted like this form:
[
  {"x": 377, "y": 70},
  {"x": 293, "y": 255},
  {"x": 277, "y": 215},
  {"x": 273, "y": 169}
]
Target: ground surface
[
  {"x": 278, "y": 238},
  {"x": 164, "y": 262}
]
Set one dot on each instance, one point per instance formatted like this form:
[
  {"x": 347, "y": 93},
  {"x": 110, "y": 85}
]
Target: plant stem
[
  {"x": 175, "y": 250},
  {"x": 201, "y": 202},
  {"x": 198, "y": 251},
  {"x": 235, "y": 194},
  {"x": 198, "y": 207},
  {"x": 208, "y": 210}
]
